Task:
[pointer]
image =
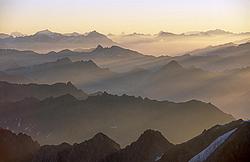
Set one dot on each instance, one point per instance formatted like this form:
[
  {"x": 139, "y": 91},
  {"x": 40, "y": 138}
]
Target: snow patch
[
  {"x": 158, "y": 157},
  {"x": 203, "y": 155}
]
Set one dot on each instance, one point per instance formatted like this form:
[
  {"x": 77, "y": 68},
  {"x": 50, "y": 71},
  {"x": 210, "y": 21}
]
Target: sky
[{"x": 128, "y": 16}]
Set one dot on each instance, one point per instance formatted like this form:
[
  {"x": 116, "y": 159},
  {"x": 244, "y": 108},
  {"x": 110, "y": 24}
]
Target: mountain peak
[
  {"x": 217, "y": 32},
  {"x": 99, "y": 47},
  {"x": 104, "y": 140},
  {"x": 44, "y": 32},
  {"x": 100, "y": 136},
  {"x": 95, "y": 34},
  {"x": 173, "y": 65},
  {"x": 150, "y": 146},
  {"x": 164, "y": 34},
  {"x": 152, "y": 135}
]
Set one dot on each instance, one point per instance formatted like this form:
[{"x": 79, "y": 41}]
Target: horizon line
[{"x": 124, "y": 33}]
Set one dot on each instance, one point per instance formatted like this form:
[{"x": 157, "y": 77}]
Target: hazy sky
[{"x": 116, "y": 16}]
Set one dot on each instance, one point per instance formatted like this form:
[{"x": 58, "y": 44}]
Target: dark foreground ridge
[{"x": 151, "y": 146}]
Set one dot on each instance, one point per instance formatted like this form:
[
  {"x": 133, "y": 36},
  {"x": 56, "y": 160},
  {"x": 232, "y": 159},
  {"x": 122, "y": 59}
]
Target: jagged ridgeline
[
  {"x": 214, "y": 74},
  {"x": 60, "y": 112},
  {"x": 221, "y": 143}
]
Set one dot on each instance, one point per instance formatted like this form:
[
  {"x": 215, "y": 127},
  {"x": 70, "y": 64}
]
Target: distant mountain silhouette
[
  {"x": 150, "y": 146},
  {"x": 46, "y": 40},
  {"x": 91, "y": 150},
  {"x": 65, "y": 118},
  {"x": 114, "y": 57},
  {"x": 213, "y": 32},
  {"x": 16, "y": 147},
  {"x": 17, "y": 92},
  {"x": 166, "y": 34},
  {"x": 162, "y": 43}
]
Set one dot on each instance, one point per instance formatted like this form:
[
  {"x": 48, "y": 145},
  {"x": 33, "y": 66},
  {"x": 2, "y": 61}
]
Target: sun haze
[{"x": 112, "y": 16}]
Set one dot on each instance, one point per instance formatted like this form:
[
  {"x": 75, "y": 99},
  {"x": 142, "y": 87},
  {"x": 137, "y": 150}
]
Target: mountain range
[
  {"x": 152, "y": 44},
  {"x": 214, "y": 75},
  {"x": 47, "y": 40},
  {"x": 172, "y": 44},
  {"x": 63, "y": 70},
  {"x": 214, "y": 58},
  {"x": 66, "y": 118},
  {"x": 220, "y": 143},
  {"x": 10, "y": 92}
]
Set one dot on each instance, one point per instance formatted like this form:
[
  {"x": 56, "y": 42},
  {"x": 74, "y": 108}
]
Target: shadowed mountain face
[
  {"x": 45, "y": 41},
  {"x": 15, "y": 147},
  {"x": 92, "y": 150},
  {"x": 150, "y": 146},
  {"x": 16, "y": 92},
  {"x": 218, "y": 144},
  {"x": 65, "y": 118},
  {"x": 187, "y": 150},
  {"x": 221, "y": 143},
  {"x": 235, "y": 148}
]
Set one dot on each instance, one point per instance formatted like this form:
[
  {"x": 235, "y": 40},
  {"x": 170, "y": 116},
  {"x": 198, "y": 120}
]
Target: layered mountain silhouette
[
  {"x": 63, "y": 70},
  {"x": 212, "y": 58},
  {"x": 16, "y": 92},
  {"x": 160, "y": 79},
  {"x": 215, "y": 58},
  {"x": 115, "y": 57},
  {"x": 154, "y": 44},
  {"x": 178, "y": 83},
  {"x": 65, "y": 118},
  {"x": 220, "y": 143},
  {"x": 47, "y": 40}
]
